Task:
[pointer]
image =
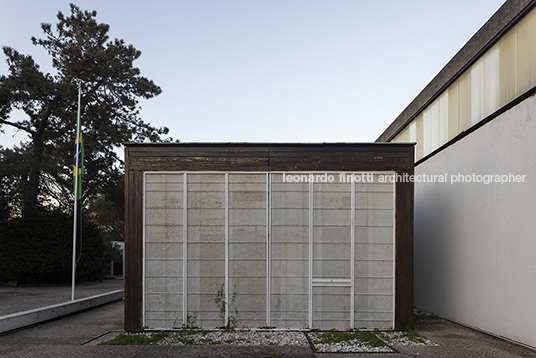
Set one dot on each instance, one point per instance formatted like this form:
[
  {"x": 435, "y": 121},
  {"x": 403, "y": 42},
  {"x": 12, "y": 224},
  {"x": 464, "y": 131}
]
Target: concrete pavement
[
  {"x": 77, "y": 336},
  {"x": 27, "y": 297}
]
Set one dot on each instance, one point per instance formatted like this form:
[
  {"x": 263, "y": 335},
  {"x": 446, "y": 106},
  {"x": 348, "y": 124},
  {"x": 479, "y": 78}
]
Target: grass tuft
[
  {"x": 136, "y": 339},
  {"x": 364, "y": 337},
  {"x": 424, "y": 316}
]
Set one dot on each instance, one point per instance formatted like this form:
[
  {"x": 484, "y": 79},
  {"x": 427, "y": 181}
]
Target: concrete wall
[{"x": 475, "y": 244}]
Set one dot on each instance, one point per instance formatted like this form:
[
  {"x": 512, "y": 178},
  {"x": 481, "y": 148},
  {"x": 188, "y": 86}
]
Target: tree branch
[{"x": 18, "y": 126}]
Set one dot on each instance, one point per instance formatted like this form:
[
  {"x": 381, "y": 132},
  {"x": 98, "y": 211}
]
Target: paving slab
[
  {"x": 27, "y": 297},
  {"x": 77, "y": 336}
]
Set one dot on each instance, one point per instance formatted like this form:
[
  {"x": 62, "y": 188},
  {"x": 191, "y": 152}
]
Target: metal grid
[{"x": 283, "y": 250}]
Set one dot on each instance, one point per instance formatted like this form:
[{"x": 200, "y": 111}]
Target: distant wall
[{"x": 475, "y": 244}]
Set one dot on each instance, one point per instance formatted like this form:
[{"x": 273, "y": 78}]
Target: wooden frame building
[{"x": 289, "y": 235}]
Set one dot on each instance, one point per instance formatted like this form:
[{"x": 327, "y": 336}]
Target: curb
[{"x": 27, "y": 318}]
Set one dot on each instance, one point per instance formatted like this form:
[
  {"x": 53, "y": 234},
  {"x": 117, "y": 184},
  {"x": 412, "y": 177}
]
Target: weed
[
  {"x": 410, "y": 335},
  {"x": 364, "y": 337},
  {"x": 413, "y": 336},
  {"x": 191, "y": 321},
  {"x": 136, "y": 339},
  {"x": 232, "y": 316},
  {"x": 423, "y": 316}
]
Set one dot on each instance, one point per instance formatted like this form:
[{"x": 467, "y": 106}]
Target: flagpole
[{"x": 77, "y": 164}]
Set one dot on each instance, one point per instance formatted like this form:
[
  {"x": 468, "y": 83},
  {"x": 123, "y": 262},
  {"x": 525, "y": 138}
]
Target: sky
[{"x": 270, "y": 70}]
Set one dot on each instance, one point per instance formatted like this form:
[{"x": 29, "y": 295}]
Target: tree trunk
[{"x": 31, "y": 189}]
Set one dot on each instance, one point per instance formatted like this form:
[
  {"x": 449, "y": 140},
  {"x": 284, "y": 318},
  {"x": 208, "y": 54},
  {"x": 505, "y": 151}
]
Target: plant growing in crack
[
  {"x": 232, "y": 315},
  {"x": 191, "y": 321}
]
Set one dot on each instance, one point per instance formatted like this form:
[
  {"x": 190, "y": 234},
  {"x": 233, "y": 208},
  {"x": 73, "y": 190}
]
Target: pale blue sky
[{"x": 271, "y": 70}]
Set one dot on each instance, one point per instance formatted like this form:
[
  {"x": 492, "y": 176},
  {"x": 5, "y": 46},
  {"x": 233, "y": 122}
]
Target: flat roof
[{"x": 264, "y": 144}]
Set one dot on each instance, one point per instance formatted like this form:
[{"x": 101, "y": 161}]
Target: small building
[
  {"x": 276, "y": 235},
  {"x": 117, "y": 265}
]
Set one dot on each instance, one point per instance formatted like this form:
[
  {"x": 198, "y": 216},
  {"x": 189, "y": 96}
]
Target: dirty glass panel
[
  {"x": 374, "y": 255},
  {"x": 289, "y": 254},
  {"x": 248, "y": 215},
  {"x": 163, "y": 250},
  {"x": 332, "y": 205},
  {"x": 206, "y": 246}
]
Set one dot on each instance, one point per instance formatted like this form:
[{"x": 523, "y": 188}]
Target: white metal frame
[
  {"x": 226, "y": 248},
  {"x": 268, "y": 249},
  {"x": 185, "y": 249}
]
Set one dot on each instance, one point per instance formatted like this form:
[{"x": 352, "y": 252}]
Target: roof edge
[{"x": 503, "y": 20}]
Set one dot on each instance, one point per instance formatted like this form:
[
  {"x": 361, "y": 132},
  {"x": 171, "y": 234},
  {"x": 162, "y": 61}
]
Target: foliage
[
  {"x": 12, "y": 164},
  {"x": 108, "y": 216},
  {"x": 111, "y": 86},
  {"x": 221, "y": 302},
  {"x": 39, "y": 249}
]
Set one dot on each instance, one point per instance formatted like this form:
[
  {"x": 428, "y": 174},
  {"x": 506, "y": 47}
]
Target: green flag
[{"x": 78, "y": 161}]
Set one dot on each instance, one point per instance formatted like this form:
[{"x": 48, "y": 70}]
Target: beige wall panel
[
  {"x": 434, "y": 125},
  {"x": 403, "y": 136},
  {"x": 491, "y": 80},
  {"x": 412, "y": 131},
  {"x": 453, "y": 108},
  {"x": 508, "y": 67},
  {"x": 419, "y": 132},
  {"x": 477, "y": 91},
  {"x": 443, "y": 118},
  {"x": 526, "y": 53},
  {"x": 413, "y": 134},
  {"x": 427, "y": 131},
  {"x": 464, "y": 98}
]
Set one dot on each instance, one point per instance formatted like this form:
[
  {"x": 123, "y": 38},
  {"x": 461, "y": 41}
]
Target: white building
[{"x": 475, "y": 241}]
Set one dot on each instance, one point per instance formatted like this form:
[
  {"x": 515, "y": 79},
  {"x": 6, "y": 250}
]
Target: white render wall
[{"x": 475, "y": 244}]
